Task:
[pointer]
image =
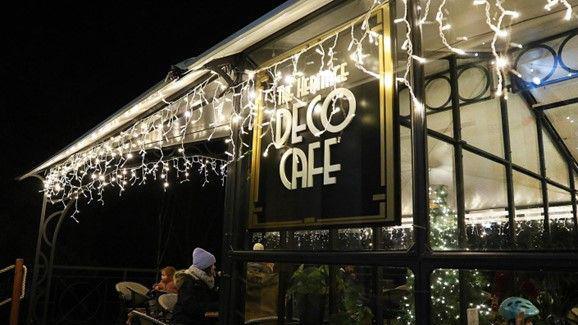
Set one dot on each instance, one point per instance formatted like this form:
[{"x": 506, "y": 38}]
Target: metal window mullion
[
  {"x": 459, "y": 179},
  {"x": 573, "y": 202},
  {"x": 419, "y": 172},
  {"x": 545, "y": 201},
  {"x": 509, "y": 170},
  {"x": 377, "y": 273},
  {"x": 458, "y": 158},
  {"x": 229, "y": 300},
  {"x": 333, "y": 269}
]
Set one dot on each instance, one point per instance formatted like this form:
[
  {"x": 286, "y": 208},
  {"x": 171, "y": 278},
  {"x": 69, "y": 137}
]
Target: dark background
[{"x": 65, "y": 66}]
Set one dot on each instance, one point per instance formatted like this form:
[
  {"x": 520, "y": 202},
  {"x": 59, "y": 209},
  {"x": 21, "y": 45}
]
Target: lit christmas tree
[
  {"x": 445, "y": 284},
  {"x": 443, "y": 220}
]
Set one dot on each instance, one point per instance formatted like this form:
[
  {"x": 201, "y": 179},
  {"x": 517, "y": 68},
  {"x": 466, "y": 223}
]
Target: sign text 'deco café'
[
  {"x": 330, "y": 115},
  {"x": 326, "y": 143}
]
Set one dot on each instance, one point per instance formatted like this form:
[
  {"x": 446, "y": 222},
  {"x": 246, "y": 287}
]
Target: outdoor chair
[
  {"x": 168, "y": 301},
  {"x": 132, "y": 295},
  {"x": 128, "y": 290}
]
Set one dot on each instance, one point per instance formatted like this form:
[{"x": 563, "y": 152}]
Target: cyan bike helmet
[{"x": 514, "y": 305}]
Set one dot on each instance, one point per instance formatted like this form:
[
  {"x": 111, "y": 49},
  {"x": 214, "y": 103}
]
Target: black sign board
[{"x": 323, "y": 142}]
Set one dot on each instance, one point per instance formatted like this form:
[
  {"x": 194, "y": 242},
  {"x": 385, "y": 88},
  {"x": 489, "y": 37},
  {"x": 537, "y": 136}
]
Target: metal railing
[
  {"x": 87, "y": 295},
  {"x": 18, "y": 289}
]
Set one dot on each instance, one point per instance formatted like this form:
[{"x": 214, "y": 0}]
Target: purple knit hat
[{"x": 202, "y": 259}]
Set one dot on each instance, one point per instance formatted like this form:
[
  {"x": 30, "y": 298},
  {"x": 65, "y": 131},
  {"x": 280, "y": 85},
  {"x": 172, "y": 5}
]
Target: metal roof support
[{"x": 44, "y": 262}]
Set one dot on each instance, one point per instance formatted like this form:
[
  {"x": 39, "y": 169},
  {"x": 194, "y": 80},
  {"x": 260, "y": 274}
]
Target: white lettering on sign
[
  {"x": 303, "y": 164},
  {"x": 309, "y": 85},
  {"x": 319, "y": 118}
]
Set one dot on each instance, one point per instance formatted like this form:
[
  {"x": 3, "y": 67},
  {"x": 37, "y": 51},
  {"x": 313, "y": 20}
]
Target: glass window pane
[
  {"x": 484, "y": 183},
  {"x": 561, "y": 219},
  {"x": 309, "y": 239},
  {"x": 266, "y": 240},
  {"x": 443, "y": 217},
  {"x": 335, "y": 294},
  {"x": 406, "y": 172},
  {"x": 565, "y": 121},
  {"x": 351, "y": 239},
  {"x": 529, "y": 224},
  {"x": 486, "y": 203},
  {"x": 556, "y": 166},
  {"x": 441, "y": 121},
  {"x": 482, "y": 126},
  {"x": 404, "y": 102},
  {"x": 523, "y": 134},
  {"x": 398, "y": 237},
  {"x": 401, "y": 237}
]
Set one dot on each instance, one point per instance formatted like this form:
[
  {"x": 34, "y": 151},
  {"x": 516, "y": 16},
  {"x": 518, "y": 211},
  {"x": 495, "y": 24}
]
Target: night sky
[{"x": 65, "y": 67}]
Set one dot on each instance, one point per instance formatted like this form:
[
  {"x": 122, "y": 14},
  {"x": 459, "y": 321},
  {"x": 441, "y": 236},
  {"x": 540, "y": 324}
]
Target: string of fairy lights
[{"x": 138, "y": 153}]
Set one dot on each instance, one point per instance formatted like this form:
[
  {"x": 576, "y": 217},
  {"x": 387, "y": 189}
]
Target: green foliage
[
  {"x": 310, "y": 280},
  {"x": 314, "y": 280}
]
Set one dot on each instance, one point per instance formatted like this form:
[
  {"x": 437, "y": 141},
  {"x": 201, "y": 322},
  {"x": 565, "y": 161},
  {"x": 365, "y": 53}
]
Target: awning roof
[{"x": 277, "y": 19}]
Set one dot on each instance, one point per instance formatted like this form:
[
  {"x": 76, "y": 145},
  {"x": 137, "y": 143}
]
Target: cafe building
[{"x": 383, "y": 162}]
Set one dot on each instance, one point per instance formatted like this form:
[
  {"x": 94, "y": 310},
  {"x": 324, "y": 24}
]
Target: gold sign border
[{"x": 388, "y": 204}]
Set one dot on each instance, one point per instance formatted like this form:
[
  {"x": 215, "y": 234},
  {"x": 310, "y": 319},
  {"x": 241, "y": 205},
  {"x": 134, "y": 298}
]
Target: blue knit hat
[{"x": 202, "y": 259}]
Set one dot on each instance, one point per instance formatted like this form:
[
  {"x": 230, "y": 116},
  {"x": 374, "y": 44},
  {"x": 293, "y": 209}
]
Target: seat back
[
  {"x": 125, "y": 289},
  {"x": 168, "y": 301}
]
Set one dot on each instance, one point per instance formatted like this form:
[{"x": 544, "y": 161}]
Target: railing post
[{"x": 16, "y": 291}]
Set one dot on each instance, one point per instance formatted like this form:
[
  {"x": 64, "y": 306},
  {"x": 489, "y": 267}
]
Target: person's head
[
  {"x": 204, "y": 260},
  {"x": 167, "y": 274}
]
